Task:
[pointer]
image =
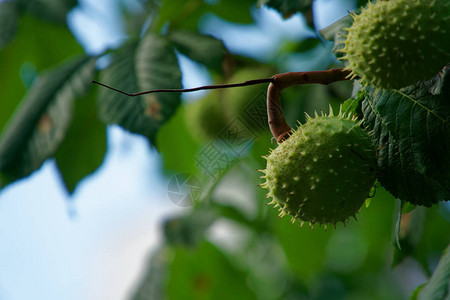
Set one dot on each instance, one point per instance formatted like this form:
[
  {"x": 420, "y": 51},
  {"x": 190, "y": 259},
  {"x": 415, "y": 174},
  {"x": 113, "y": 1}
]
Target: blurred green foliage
[{"x": 229, "y": 244}]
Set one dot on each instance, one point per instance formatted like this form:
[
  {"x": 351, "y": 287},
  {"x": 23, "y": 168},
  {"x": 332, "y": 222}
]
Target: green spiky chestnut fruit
[
  {"x": 248, "y": 104},
  {"x": 205, "y": 117},
  {"x": 323, "y": 172},
  {"x": 392, "y": 44}
]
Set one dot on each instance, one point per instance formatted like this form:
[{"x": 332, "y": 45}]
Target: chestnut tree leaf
[
  {"x": 204, "y": 49},
  {"x": 192, "y": 274},
  {"x": 50, "y": 10},
  {"x": 411, "y": 129},
  {"x": 438, "y": 287},
  {"x": 186, "y": 14},
  {"x": 9, "y": 17},
  {"x": 152, "y": 283},
  {"x": 237, "y": 11},
  {"x": 179, "y": 151},
  {"x": 32, "y": 51},
  {"x": 84, "y": 146},
  {"x": 40, "y": 123},
  {"x": 288, "y": 7},
  {"x": 148, "y": 64}
]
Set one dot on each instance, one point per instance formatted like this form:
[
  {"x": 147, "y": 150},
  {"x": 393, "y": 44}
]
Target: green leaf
[
  {"x": 352, "y": 106},
  {"x": 40, "y": 123},
  {"x": 441, "y": 82},
  {"x": 409, "y": 230},
  {"x": 288, "y": 7},
  {"x": 398, "y": 219},
  {"x": 307, "y": 44},
  {"x": 237, "y": 11},
  {"x": 188, "y": 230},
  {"x": 204, "y": 49},
  {"x": 32, "y": 50},
  {"x": 422, "y": 232},
  {"x": 50, "y": 10},
  {"x": 140, "y": 66},
  {"x": 437, "y": 288},
  {"x": 289, "y": 237},
  {"x": 233, "y": 213},
  {"x": 9, "y": 18},
  {"x": 361, "y": 2},
  {"x": 84, "y": 146},
  {"x": 180, "y": 14},
  {"x": 336, "y": 32},
  {"x": 176, "y": 145},
  {"x": 186, "y": 14},
  {"x": 152, "y": 285},
  {"x": 411, "y": 129},
  {"x": 205, "y": 273},
  {"x": 407, "y": 207}
]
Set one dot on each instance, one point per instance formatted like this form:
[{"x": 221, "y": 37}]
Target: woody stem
[{"x": 277, "y": 123}]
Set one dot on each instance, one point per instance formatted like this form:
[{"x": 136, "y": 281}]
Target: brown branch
[
  {"x": 277, "y": 123},
  {"x": 205, "y": 87}
]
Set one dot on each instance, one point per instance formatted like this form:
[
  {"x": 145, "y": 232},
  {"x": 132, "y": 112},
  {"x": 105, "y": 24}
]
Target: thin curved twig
[
  {"x": 199, "y": 88},
  {"x": 277, "y": 123}
]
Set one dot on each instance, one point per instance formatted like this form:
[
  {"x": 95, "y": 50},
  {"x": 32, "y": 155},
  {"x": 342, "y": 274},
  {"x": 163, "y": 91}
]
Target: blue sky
[{"x": 96, "y": 244}]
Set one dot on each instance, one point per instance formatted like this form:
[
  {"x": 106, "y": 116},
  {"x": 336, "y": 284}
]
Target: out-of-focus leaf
[
  {"x": 441, "y": 82},
  {"x": 38, "y": 46},
  {"x": 84, "y": 146},
  {"x": 50, "y": 10},
  {"x": 189, "y": 229},
  {"x": 404, "y": 208},
  {"x": 40, "y": 123},
  {"x": 304, "y": 248},
  {"x": 204, "y": 49},
  {"x": 423, "y": 233},
  {"x": 407, "y": 207},
  {"x": 398, "y": 220},
  {"x": 185, "y": 14},
  {"x": 307, "y": 44},
  {"x": 9, "y": 18},
  {"x": 288, "y": 7},
  {"x": 141, "y": 66},
  {"x": 237, "y": 11},
  {"x": 437, "y": 229},
  {"x": 376, "y": 222},
  {"x": 152, "y": 286},
  {"x": 180, "y": 14},
  {"x": 410, "y": 228},
  {"x": 411, "y": 128},
  {"x": 176, "y": 145},
  {"x": 304, "y": 45},
  {"x": 232, "y": 213},
  {"x": 438, "y": 287},
  {"x": 205, "y": 273},
  {"x": 361, "y": 3},
  {"x": 329, "y": 33}
]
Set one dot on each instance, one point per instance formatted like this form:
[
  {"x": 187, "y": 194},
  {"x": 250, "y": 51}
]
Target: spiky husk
[
  {"x": 323, "y": 172},
  {"x": 396, "y": 43}
]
